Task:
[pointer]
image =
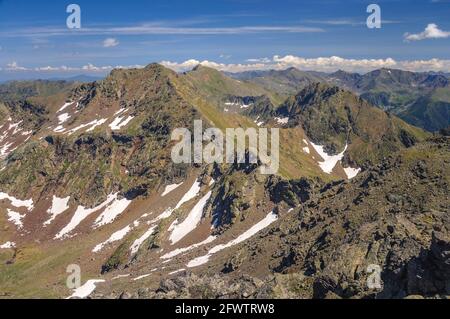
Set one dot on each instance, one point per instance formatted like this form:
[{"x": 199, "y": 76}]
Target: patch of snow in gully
[
  {"x": 138, "y": 242},
  {"x": 170, "y": 188},
  {"x": 97, "y": 123},
  {"x": 120, "y": 122},
  {"x": 63, "y": 118},
  {"x": 59, "y": 206},
  {"x": 191, "y": 221},
  {"x": 118, "y": 235},
  {"x": 352, "y": 172},
  {"x": 141, "y": 277},
  {"x": 112, "y": 211},
  {"x": 267, "y": 221},
  {"x": 179, "y": 251},
  {"x": 329, "y": 162},
  {"x": 190, "y": 194},
  {"x": 64, "y": 106},
  {"x": 80, "y": 214}
]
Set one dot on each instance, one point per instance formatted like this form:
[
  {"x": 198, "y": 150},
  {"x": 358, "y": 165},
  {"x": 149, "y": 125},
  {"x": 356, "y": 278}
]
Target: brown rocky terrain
[{"x": 87, "y": 178}]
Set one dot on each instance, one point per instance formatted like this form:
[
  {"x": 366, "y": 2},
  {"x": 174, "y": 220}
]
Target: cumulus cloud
[
  {"x": 432, "y": 31},
  {"x": 110, "y": 42},
  {"x": 189, "y": 64}
]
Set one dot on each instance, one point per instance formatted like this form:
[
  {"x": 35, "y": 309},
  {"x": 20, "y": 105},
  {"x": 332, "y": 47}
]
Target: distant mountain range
[{"x": 422, "y": 99}]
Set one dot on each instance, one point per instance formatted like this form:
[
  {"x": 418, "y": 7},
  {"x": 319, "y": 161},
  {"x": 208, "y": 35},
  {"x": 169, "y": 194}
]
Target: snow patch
[
  {"x": 97, "y": 123},
  {"x": 141, "y": 277},
  {"x": 15, "y": 218},
  {"x": 191, "y": 193},
  {"x": 64, "y": 106},
  {"x": 267, "y": 221},
  {"x": 63, "y": 118},
  {"x": 352, "y": 172},
  {"x": 15, "y": 126},
  {"x": 179, "y": 251},
  {"x": 112, "y": 211},
  {"x": 283, "y": 120},
  {"x": 59, "y": 129},
  {"x": 17, "y": 202},
  {"x": 119, "y": 122},
  {"x": 118, "y": 235},
  {"x": 94, "y": 124},
  {"x": 120, "y": 276},
  {"x": 306, "y": 150},
  {"x": 170, "y": 188},
  {"x": 191, "y": 221},
  {"x": 176, "y": 271},
  {"x": 138, "y": 242},
  {"x": 80, "y": 214},
  {"x": 8, "y": 245},
  {"x": 85, "y": 290},
  {"x": 59, "y": 206},
  {"x": 329, "y": 162}
]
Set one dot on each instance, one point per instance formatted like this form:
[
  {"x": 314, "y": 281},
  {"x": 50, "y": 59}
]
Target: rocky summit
[{"x": 359, "y": 207}]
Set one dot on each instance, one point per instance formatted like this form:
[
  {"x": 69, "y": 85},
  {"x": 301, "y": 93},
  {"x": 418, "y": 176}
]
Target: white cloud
[
  {"x": 158, "y": 28},
  {"x": 432, "y": 31},
  {"x": 323, "y": 64},
  {"x": 189, "y": 64},
  {"x": 14, "y": 66},
  {"x": 261, "y": 60},
  {"x": 110, "y": 42}
]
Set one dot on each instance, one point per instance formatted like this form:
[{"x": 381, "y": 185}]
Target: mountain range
[
  {"x": 421, "y": 99},
  {"x": 87, "y": 179}
]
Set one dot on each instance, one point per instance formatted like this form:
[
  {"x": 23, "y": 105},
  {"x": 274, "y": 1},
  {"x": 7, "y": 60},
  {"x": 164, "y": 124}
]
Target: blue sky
[{"x": 232, "y": 35}]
